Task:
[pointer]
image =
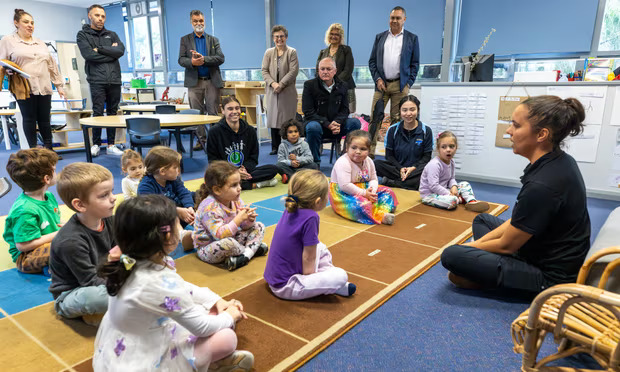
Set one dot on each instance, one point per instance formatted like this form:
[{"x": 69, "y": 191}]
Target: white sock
[
  {"x": 249, "y": 253},
  {"x": 344, "y": 290}
]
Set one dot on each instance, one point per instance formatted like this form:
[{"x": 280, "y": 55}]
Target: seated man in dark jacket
[{"x": 326, "y": 108}]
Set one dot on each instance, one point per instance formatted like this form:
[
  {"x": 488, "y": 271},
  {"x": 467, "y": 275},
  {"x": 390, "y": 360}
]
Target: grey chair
[
  {"x": 143, "y": 132},
  {"x": 165, "y": 109},
  {"x": 190, "y": 131}
]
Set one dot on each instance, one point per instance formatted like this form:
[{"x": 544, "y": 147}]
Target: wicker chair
[{"x": 582, "y": 319}]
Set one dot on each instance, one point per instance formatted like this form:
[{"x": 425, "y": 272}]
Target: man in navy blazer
[
  {"x": 201, "y": 56},
  {"x": 393, "y": 63}
]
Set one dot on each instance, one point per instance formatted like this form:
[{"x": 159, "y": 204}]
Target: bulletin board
[{"x": 597, "y": 149}]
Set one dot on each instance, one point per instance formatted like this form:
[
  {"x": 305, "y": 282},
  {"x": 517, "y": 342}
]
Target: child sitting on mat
[
  {"x": 294, "y": 153},
  {"x": 299, "y": 265},
  {"x": 226, "y": 229},
  {"x": 438, "y": 187},
  {"x": 133, "y": 166},
  {"x": 156, "y": 320},
  {"x": 354, "y": 191}
]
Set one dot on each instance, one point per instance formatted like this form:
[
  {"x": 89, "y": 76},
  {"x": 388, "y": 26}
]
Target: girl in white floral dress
[{"x": 156, "y": 321}]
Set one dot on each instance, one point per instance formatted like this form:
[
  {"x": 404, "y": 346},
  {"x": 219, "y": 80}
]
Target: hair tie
[
  {"x": 296, "y": 199},
  {"x": 438, "y": 135},
  {"x": 164, "y": 229},
  {"x": 115, "y": 255}
]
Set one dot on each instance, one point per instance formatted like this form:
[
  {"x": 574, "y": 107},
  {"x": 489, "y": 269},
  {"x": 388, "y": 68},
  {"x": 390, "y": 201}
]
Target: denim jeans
[
  {"x": 315, "y": 133},
  {"x": 82, "y": 301}
]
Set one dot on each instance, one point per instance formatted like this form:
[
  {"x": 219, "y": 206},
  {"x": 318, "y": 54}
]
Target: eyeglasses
[{"x": 279, "y": 36}]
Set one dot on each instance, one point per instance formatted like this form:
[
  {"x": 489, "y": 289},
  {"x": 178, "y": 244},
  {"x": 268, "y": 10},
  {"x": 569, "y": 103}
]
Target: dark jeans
[
  {"x": 276, "y": 139},
  {"x": 261, "y": 173},
  {"x": 36, "y": 112},
  {"x": 492, "y": 270},
  {"x": 289, "y": 171},
  {"x": 386, "y": 169},
  {"x": 108, "y": 95},
  {"x": 315, "y": 134}
]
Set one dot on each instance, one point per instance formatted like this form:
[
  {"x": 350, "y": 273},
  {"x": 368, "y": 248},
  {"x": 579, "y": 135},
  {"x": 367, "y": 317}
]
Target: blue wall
[
  {"x": 176, "y": 15},
  {"x": 307, "y": 22},
  {"x": 424, "y": 18},
  {"x": 527, "y": 26},
  {"x": 114, "y": 22},
  {"x": 241, "y": 33}
]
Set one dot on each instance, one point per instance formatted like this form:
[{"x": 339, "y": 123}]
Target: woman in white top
[{"x": 33, "y": 57}]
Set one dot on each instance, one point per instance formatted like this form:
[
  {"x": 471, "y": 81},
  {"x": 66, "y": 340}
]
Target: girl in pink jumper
[
  {"x": 354, "y": 191},
  {"x": 438, "y": 187},
  {"x": 226, "y": 230}
]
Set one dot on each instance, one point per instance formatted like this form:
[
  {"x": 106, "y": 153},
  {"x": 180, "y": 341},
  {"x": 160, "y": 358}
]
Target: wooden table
[
  {"x": 140, "y": 109},
  {"x": 170, "y": 121}
]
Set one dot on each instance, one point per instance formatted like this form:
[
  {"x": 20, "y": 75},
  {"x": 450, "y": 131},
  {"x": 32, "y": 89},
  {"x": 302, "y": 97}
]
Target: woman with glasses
[
  {"x": 280, "y": 67},
  {"x": 342, "y": 54}
]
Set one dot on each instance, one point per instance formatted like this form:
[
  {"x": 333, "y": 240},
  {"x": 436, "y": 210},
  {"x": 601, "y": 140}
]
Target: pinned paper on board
[
  {"x": 584, "y": 146},
  {"x": 592, "y": 98},
  {"x": 614, "y": 180},
  {"x": 507, "y": 105},
  {"x": 502, "y": 139}
]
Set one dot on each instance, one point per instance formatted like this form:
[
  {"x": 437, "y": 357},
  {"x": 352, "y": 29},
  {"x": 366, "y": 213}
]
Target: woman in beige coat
[{"x": 280, "y": 67}]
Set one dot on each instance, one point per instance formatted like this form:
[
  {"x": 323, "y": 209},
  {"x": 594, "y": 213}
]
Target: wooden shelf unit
[
  {"x": 73, "y": 125},
  {"x": 246, "y": 92}
]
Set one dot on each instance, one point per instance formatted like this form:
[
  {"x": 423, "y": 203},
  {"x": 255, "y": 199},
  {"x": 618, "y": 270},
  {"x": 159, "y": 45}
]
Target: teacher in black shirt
[{"x": 547, "y": 239}]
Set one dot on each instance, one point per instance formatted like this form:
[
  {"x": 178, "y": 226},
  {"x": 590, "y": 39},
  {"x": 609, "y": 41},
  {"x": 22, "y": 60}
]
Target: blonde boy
[
  {"x": 34, "y": 219},
  {"x": 87, "y": 189}
]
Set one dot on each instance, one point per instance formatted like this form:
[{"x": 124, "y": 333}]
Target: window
[
  {"x": 610, "y": 30},
  {"x": 141, "y": 37},
  {"x": 158, "y": 59}
]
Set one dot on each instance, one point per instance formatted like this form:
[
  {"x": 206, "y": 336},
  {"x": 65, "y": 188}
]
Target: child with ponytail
[
  {"x": 155, "y": 319},
  {"x": 225, "y": 229},
  {"x": 299, "y": 265}
]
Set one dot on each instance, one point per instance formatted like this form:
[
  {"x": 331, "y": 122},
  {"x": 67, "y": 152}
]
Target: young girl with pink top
[
  {"x": 225, "y": 229},
  {"x": 438, "y": 187},
  {"x": 354, "y": 191}
]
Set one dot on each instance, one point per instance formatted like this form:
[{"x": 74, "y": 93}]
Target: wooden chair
[{"x": 582, "y": 319}]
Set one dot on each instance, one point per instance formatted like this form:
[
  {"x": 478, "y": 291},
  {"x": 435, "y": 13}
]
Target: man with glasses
[
  {"x": 201, "y": 56},
  {"x": 101, "y": 48}
]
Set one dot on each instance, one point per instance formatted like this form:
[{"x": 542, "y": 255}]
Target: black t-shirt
[
  {"x": 75, "y": 253},
  {"x": 552, "y": 207}
]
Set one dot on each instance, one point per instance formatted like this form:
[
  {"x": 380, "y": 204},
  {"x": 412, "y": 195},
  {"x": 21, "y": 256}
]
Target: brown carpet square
[{"x": 460, "y": 213}]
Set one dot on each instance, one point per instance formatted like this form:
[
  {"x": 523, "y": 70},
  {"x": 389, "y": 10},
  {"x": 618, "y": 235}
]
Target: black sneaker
[
  {"x": 235, "y": 262},
  {"x": 262, "y": 250}
]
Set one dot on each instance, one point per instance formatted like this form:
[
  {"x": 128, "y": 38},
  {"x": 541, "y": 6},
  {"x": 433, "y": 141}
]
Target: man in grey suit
[{"x": 201, "y": 56}]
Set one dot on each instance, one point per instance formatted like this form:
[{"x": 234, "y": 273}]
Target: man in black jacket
[
  {"x": 326, "y": 108},
  {"x": 101, "y": 49}
]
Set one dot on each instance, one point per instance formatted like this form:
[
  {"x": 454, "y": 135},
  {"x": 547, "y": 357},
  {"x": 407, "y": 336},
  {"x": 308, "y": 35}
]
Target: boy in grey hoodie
[{"x": 293, "y": 153}]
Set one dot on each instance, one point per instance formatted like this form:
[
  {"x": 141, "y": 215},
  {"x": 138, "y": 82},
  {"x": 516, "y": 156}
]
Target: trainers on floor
[
  {"x": 270, "y": 183},
  {"x": 388, "y": 219},
  {"x": 235, "y": 262},
  {"x": 262, "y": 250},
  {"x": 240, "y": 360},
  {"x": 92, "y": 319},
  {"x": 94, "y": 150},
  {"x": 347, "y": 290},
  {"x": 113, "y": 150},
  {"x": 477, "y": 206}
]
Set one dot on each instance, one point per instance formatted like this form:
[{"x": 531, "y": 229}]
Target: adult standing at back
[
  {"x": 280, "y": 67},
  {"x": 101, "y": 48},
  {"x": 201, "y": 55},
  {"x": 342, "y": 54},
  {"x": 33, "y": 57},
  {"x": 393, "y": 63}
]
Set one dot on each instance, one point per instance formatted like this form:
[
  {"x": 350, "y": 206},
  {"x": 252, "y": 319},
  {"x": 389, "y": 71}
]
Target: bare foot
[{"x": 186, "y": 240}]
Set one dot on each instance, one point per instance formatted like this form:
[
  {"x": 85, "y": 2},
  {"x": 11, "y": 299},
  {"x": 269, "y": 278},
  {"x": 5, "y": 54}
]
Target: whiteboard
[{"x": 501, "y": 164}]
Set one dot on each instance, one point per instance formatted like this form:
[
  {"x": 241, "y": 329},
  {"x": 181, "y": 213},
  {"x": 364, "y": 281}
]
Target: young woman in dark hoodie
[{"x": 235, "y": 141}]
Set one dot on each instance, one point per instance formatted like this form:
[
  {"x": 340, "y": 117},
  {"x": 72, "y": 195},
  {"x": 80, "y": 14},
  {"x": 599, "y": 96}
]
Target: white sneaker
[
  {"x": 239, "y": 360},
  {"x": 271, "y": 183},
  {"x": 94, "y": 150},
  {"x": 113, "y": 150}
]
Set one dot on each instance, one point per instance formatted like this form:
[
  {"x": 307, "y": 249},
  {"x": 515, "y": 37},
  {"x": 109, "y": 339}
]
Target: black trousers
[
  {"x": 276, "y": 139},
  {"x": 386, "y": 169},
  {"x": 492, "y": 270},
  {"x": 36, "y": 112},
  {"x": 262, "y": 173},
  {"x": 108, "y": 96},
  {"x": 289, "y": 171}
]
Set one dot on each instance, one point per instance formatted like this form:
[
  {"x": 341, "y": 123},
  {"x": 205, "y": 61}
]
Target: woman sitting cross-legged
[
  {"x": 547, "y": 239},
  {"x": 235, "y": 141}
]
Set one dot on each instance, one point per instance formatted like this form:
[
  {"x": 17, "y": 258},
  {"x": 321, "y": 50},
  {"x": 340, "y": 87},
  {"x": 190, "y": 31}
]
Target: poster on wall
[
  {"x": 502, "y": 139},
  {"x": 592, "y": 98},
  {"x": 507, "y": 105},
  {"x": 584, "y": 146}
]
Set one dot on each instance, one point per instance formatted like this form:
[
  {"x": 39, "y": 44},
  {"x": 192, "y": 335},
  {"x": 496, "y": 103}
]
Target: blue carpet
[{"x": 20, "y": 292}]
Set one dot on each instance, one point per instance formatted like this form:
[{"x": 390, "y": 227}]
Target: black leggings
[
  {"x": 36, "y": 112},
  {"x": 492, "y": 270},
  {"x": 262, "y": 173},
  {"x": 276, "y": 139},
  {"x": 387, "y": 169}
]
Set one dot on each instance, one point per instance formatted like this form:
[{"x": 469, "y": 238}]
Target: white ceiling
[{"x": 78, "y": 3}]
